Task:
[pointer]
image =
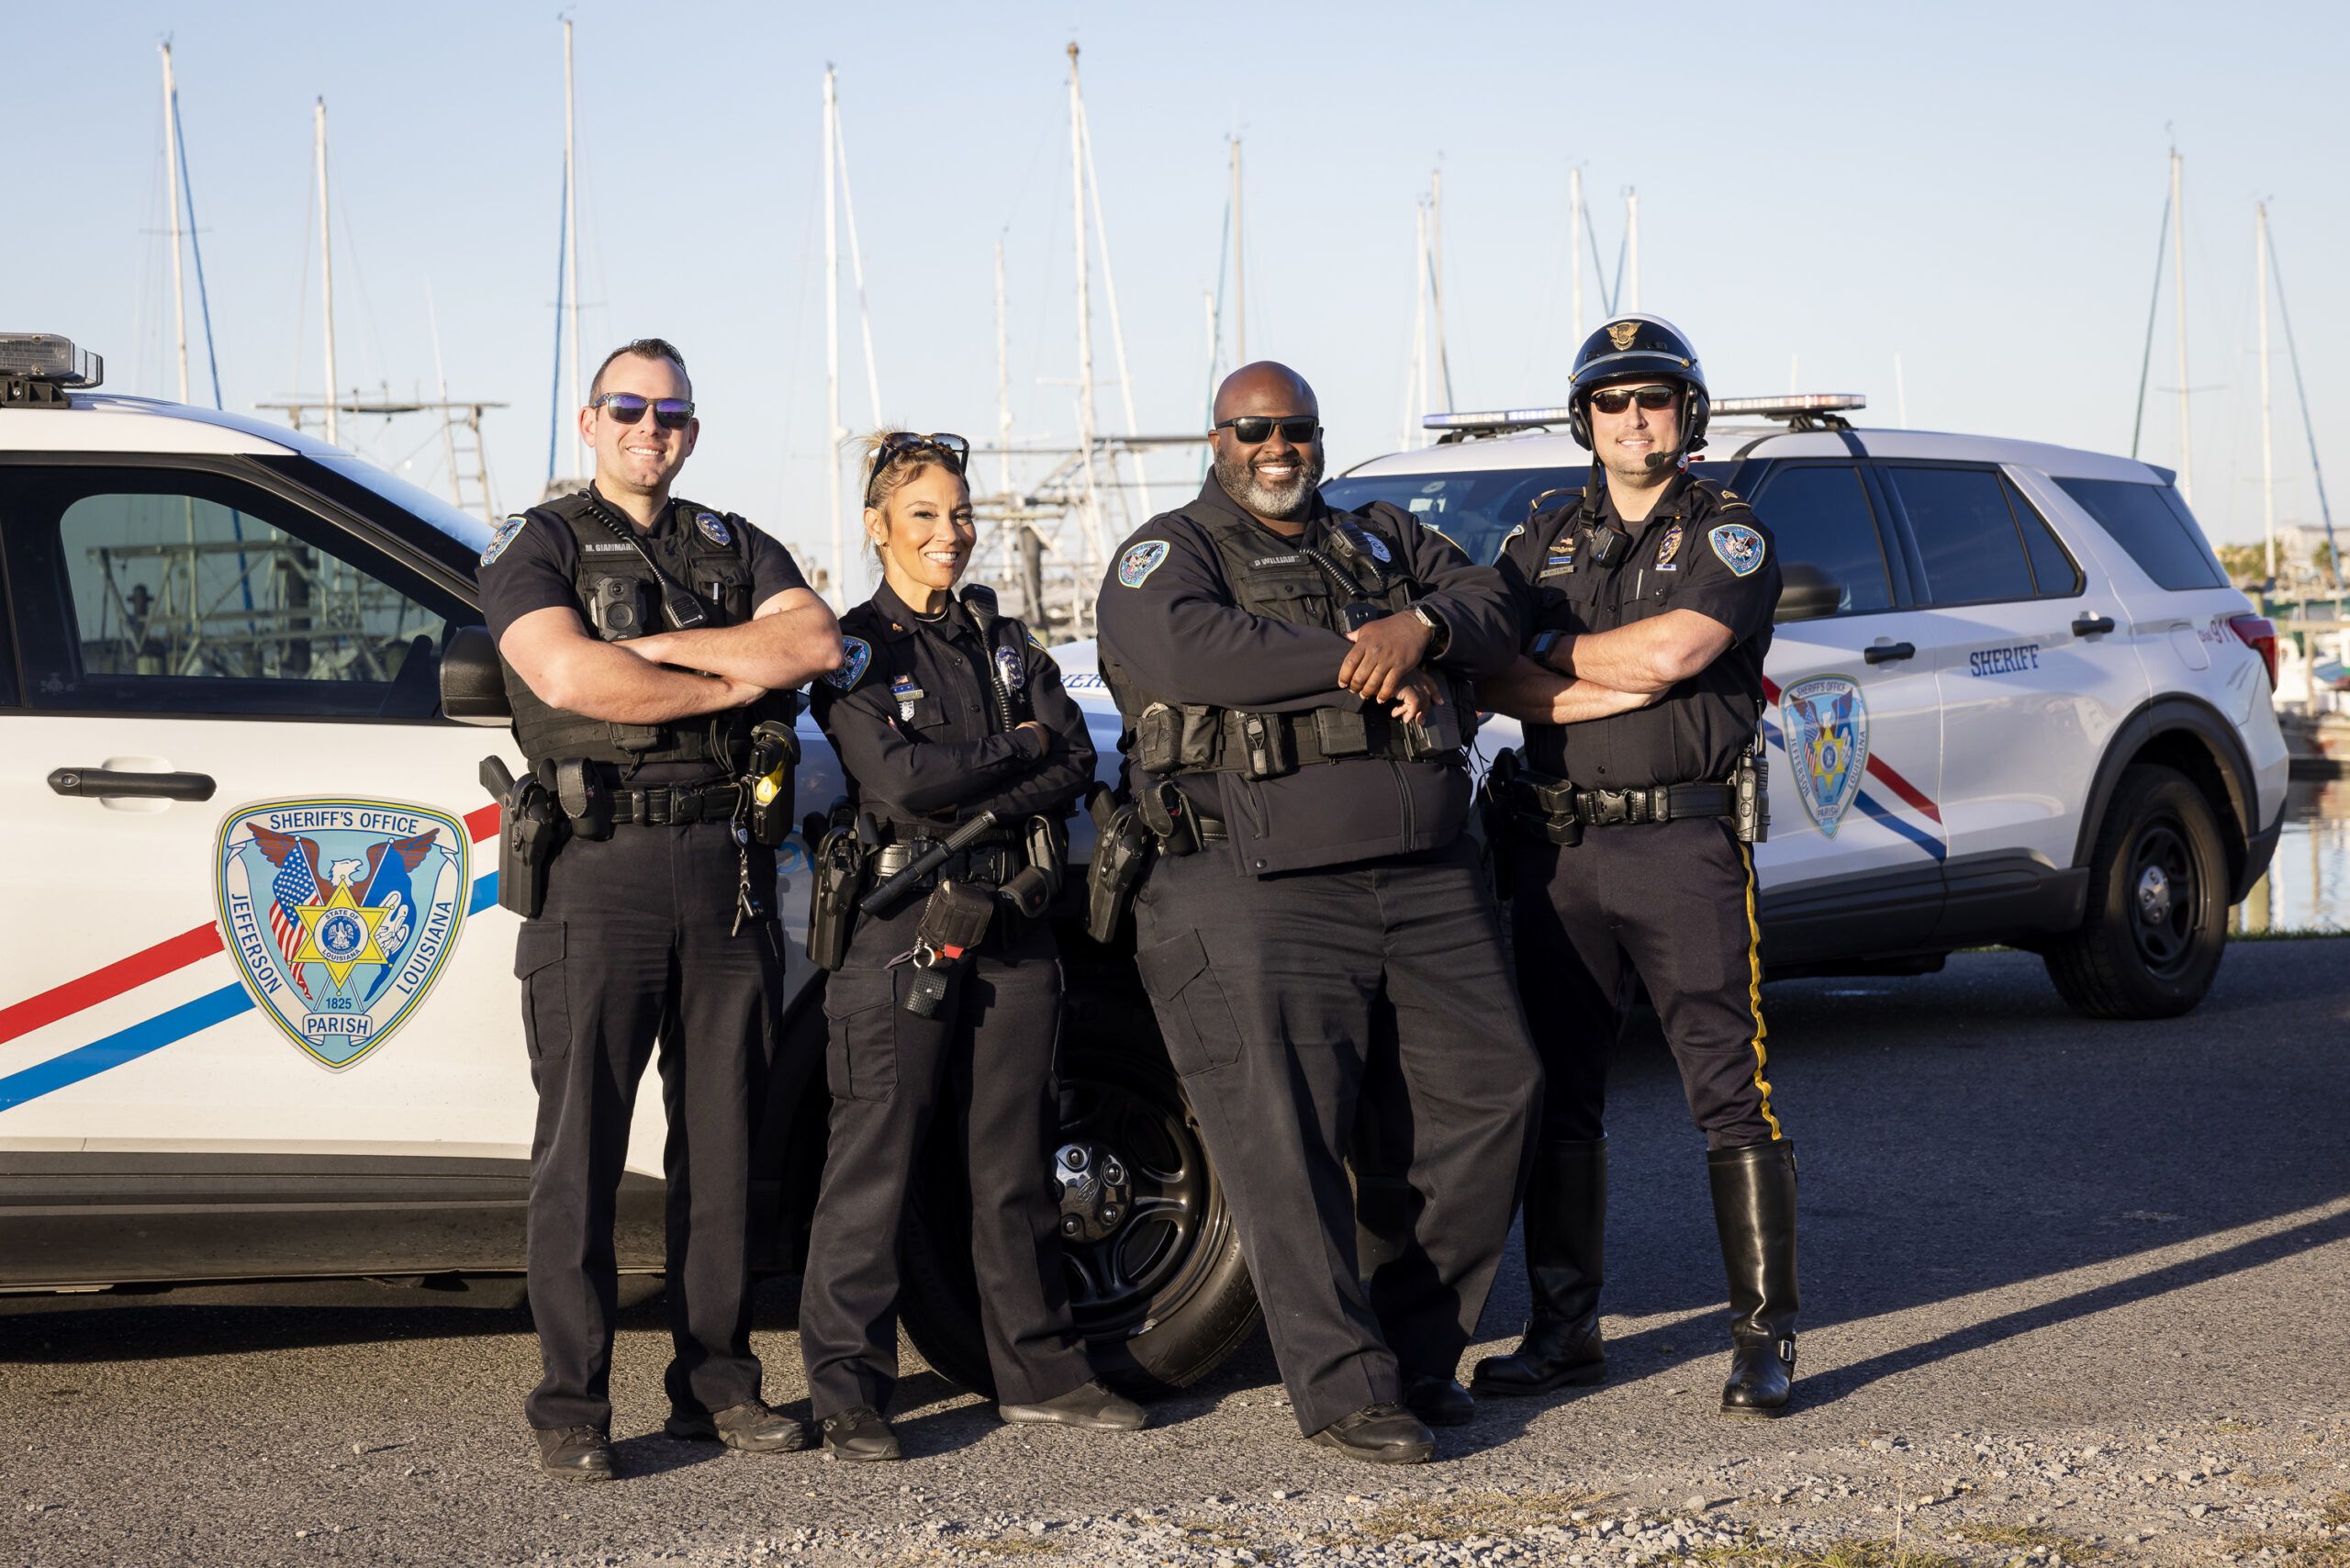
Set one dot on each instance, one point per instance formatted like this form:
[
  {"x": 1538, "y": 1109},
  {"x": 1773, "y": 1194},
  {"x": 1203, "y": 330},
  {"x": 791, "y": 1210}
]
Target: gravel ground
[{"x": 2075, "y": 1293}]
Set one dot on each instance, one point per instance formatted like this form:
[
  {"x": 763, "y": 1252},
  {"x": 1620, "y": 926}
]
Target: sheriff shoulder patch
[
  {"x": 1140, "y": 560},
  {"x": 506, "y": 535},
  {"x": 857, "y": 654},
  {"x": 1739, "y": 547}
]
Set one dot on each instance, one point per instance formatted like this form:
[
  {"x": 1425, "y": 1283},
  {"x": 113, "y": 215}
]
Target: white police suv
[
  {"x": 2014, "y": 699},
  {"x": 258, "y": 1018}
]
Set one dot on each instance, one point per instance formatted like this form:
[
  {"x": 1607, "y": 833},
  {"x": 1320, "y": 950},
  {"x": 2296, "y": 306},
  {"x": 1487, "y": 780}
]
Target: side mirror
[
  {"x": 1806, "y": 593},
  {"x": 473, "y": 683}
]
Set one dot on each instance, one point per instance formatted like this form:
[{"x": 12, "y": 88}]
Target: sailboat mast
[
  {"x": 1002, "y": 384},
  {"x": 1084, "y": 307},
  {"x": 834, "y": 433},
  {"x": 1415, "y": 379},
  {"x": 1436, "y": 280},
  {"x": 571, "y": 241},
  {"x": 2267, "y": 452},
  {"x": 1109, "y": 294},
  {"x": 1633, "y": 242},
  {"x": 1239, "y": 269},
  {"x": 326, "y": 273},
  {"x": 1574, "y": 243},
  {"x": 2179, "y": 305},
  {"x": 171, "y": 168}
]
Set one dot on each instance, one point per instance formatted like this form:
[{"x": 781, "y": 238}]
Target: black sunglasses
[
  {"x": 1255, "y": 429},
  {"x": 670, "y": 413},
  {"x": 953, "y": 449},
  {"x": 1616, "y": 399}
]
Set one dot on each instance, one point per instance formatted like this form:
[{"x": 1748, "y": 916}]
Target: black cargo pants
[
  {"x": 1673, "y": 903},
  {"x": 1269, "y": 992},
  {"x": 987, "y": 1059},
  {"x": 634, "y": 946}
]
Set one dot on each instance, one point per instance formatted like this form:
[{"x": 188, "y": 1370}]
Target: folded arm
[
  {"x": 789, "y": 639},
  {"x": 557, "y": 658},
  {"x": 1648, "y": 656},
  {"x": 1531, "y": 694}
]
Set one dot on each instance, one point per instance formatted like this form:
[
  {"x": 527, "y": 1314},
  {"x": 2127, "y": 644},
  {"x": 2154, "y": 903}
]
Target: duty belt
[
  {"x": 666, "y": 805},
  {"x": 1174, "y": 740},
  {"x": 1544, "y": 804},
  {"x": 992, "y": 863}
]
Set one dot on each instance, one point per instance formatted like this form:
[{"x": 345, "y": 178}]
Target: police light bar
[
  {"x": 1498, "y": 419},
  {"x": 45, "y": 356},
  {"x": 1790, "y": 405}
]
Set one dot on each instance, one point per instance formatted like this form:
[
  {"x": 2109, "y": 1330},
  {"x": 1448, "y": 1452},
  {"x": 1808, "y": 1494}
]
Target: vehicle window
[
  {"x": 146, "y": 590},
  {"x": 2052, "y": 568},
  {"x": 1474, "y": 509},
  {"x": 2153, "y": 525},
  {"x": 1965, "y": 534},
  {"x": 1819, "y": 514}
]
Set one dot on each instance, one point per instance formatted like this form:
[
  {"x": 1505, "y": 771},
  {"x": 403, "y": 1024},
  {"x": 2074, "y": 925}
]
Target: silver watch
[{"x": 1440, "y": 635}]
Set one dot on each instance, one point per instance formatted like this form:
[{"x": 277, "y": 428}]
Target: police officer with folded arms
[
  {"x": 964, "y": 757},
  {"x": 1290, "y": 680},
  {"x": 1626, "y": 830},
  {"x": 650, "y": 646}
]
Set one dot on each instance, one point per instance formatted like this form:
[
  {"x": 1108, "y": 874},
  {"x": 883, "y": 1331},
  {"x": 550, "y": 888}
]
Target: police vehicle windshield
[{"x": 1474, "y": 509}]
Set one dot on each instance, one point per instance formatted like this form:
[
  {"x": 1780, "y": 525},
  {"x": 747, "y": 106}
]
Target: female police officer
[{"x": 941, "y": 712}]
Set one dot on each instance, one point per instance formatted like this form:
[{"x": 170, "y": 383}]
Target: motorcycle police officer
[
  {"x": 945, "y": 717},
  {"x": 1292, "y": 749},
  {"x": 644, "y": 637},
  {"x": 1646, "y": 609}
]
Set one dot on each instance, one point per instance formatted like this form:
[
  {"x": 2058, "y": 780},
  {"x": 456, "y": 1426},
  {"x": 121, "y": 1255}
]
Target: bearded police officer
[
  {"x": 650, "y": 646},
  {"x": 1296, "y": 753},
  {"x": 1646, "y": 608}
]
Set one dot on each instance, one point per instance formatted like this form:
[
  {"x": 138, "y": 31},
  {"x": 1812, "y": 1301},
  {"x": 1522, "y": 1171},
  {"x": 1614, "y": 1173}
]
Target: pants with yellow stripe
[{"x": 1671, "y": 904}]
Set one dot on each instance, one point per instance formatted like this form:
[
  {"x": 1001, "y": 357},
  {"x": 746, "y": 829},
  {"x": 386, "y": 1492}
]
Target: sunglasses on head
[
  {"x": 953, "y": 449},
  {"x": 1616, "y": 399},
  {"x": 670, "y": 413},
  {"x": 1255, "y": 429}
]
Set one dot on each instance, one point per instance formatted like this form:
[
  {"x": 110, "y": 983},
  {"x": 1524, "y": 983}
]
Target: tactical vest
[
  {"x": 1303, "y": 584},
  {"x": 620, "y": 598}
]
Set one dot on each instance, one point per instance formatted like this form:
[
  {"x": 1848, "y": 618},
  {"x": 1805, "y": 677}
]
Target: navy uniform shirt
[
  {"x": 530, "y": 566},
  {"x": 1182, "y": 637},
  {"x": 911, "y": 714},
  {"x": 1701, "y": 549}
]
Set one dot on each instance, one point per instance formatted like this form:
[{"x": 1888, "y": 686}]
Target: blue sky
[{"x": 1975, "y": 188}]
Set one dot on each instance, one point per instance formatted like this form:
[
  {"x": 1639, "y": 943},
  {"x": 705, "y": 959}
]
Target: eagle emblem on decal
[
  {"x": 1622, "y": 333},
  {"x": 1827, "y": 745}
]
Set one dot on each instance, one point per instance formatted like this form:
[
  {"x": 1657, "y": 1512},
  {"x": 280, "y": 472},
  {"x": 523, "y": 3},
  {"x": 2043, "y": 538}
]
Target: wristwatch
[
  {"x": 1543, "y": 645},
  {"x": 1440, "y": 634}
]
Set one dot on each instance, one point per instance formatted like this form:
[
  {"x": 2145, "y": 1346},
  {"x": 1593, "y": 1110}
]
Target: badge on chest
[{"x": 907, "y": 694}]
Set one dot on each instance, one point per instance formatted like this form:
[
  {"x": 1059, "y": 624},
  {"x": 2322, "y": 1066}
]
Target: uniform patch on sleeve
[
  {"x": 856, "y": 654},
  {"x": 1140, "y": 560},
  {"x": 1739, "y": 547},
  {"x": 506, "y": 535}
]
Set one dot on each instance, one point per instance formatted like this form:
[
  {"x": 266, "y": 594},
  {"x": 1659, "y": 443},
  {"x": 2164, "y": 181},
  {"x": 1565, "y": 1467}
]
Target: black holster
[
  {"x": 1751, "y": 787},
  {"x": 841, "y": 864},
  {"x": 775, "y": 754},
  {"x": 532, "y": 826},
  {"x": 1122, "y": 850}
]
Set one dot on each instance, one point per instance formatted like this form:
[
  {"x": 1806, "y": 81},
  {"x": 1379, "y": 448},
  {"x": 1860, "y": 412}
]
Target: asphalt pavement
[{"x": 2070, "y": 1289}]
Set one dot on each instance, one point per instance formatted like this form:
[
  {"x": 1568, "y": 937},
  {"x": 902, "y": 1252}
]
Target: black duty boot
[
  {"x": 1566, "y": 1224},
  {"x": 1755, "y": 1210},
  {"x": 575, "y": 1453}
]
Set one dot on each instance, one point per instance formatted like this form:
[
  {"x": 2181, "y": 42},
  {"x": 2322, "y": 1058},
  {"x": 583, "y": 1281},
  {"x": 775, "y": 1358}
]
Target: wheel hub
[
  {"x": 1097, "y": 1190},
  {"x": 2153, "y": 896}
]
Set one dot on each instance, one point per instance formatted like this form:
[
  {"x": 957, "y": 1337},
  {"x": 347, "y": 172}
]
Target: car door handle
[
  {"x": 91, "y": 783},
  {"x": 2091, "y": 626},
  {"x": 1889, "y": 653}
]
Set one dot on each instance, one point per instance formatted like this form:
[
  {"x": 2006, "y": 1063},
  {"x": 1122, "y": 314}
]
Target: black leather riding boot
[
  {"x": 1754, "y": 1211},
  {"x": 1566, "y": 1224}
]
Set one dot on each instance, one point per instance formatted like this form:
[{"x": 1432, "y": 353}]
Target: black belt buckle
[{"x": 1605, "y": 808}]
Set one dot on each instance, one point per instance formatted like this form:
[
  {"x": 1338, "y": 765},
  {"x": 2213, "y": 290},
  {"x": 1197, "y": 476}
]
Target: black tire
[
  {"x": 1164, "y": 1297},
  {"x": 2156, "y": 918}
]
